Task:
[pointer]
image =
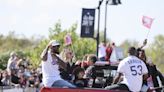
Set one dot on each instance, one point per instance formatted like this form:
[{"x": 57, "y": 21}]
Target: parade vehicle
[
  {"x": 77, "y": 90},
  {"x": 104, "y": 74},
  {"x": 87, "y": 90}
]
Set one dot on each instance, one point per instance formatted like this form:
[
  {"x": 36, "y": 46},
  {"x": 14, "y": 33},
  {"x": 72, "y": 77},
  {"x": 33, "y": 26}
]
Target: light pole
[
  {"x": 105, "y": 20},
  {"x": 114, "y": 2},
  {"x": 98, "y": 27}
]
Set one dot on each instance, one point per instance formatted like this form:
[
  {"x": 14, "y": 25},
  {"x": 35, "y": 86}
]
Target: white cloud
[
  {"x": 14, "y": 19},
  {"x": 48, "y": 3},
  {"x": 10, "y": 20},
  {"x": 41, "y": 19},
  {"x": 59, "y": 3},
  {"x": 38, "y": 15},
  {"x": 15, "y": 3}
]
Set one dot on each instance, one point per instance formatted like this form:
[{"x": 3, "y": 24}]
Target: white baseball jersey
[
  {"x": 50, "y": 70},
  {"x": 133, "y": 70}
]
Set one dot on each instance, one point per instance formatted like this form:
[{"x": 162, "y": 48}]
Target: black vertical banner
[{"x": 87, "y": 23}]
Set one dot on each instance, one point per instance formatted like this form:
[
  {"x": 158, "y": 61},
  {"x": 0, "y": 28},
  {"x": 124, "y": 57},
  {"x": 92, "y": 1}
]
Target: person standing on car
[
  {"x": 102, "y": 51},
  {"x": 133, "y": 70},
  {"x": 50, "y": 66},
  {"x": 108, "y": 52}
]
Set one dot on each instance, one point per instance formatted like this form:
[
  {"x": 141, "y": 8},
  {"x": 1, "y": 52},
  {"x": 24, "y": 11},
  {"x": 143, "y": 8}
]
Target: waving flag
[
  {"x": 147, "y": 21},
  {"x": 68, "y": 40}
]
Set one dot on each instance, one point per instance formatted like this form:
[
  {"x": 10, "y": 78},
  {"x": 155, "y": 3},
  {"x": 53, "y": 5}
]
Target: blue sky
[{"x": 35, "y": 17}]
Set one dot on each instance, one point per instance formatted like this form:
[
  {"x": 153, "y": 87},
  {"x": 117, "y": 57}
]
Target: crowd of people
[
  {"x": 62, "y": 70},
  {"x": 19, "y": 73},
  {"x": 105, "y": 51}
]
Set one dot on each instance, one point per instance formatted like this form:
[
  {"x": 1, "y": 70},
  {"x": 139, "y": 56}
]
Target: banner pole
[
  {"x": 98, "y": 27},
  {"x": 148, "y": 34}
]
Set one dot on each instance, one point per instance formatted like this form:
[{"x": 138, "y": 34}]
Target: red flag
[
  {"x": 147, "y": 21},
  {"x": 68, "y": 39}
]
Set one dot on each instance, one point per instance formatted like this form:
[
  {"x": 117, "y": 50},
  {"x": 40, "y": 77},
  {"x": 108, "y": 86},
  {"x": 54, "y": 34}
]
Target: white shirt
[
  {"x": 133, "y": 70},
  {"x": 50, "y": 70},
  {"x": 11, "y": 63},
  {"x": 102, "y": 51}
]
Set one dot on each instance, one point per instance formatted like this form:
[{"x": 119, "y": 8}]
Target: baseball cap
[
  {"x": 54, "y": 43},
  {"x": 13, "y": 53}
]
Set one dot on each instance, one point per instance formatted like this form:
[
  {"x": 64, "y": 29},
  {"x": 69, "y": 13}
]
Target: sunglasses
[{"x": 56, "y": 46}]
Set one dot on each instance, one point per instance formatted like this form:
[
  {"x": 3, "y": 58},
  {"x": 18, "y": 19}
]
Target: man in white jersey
[
  {"x": 50, "y": 66},
  {"x": 133, "y": 70}
]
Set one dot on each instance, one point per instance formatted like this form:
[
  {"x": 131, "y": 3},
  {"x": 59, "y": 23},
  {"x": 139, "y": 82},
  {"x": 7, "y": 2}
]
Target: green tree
[
  {"x": 3, "y": 60},
  {"x": 80, "y": 46},
  {"x": 10, "y": 43},
  {"x": 156, "y": 52},
  {"x": 127, "y": 43}
]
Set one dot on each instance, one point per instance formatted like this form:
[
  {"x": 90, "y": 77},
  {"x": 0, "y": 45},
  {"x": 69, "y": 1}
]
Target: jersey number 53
[{"x": 136, "y": 70}]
